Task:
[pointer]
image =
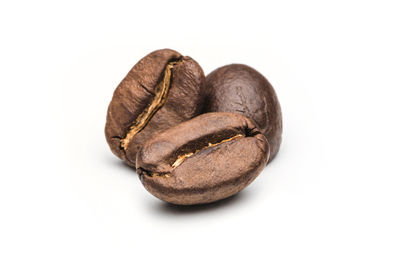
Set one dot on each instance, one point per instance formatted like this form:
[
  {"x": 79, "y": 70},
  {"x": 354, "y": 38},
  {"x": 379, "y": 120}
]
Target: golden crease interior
[
  {"x": 160, "y": 96},
  {"x": 181, "y": 158}
]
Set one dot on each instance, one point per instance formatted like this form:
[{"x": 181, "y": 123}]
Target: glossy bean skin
[
  {"x": 163, "y": 89},
  {"x": 205, "y": 159},
  {"x": 241, "y": 89}
]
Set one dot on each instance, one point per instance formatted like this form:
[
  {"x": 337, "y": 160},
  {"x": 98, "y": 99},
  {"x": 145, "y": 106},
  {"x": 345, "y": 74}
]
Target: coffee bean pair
[{"x": 193, "y": 139}]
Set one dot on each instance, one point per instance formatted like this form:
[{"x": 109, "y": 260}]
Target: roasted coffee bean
[
  {"x": 240, "y": 89},
  {"x": 161, "y": 90},
  {"x": 205, "y": 159}
]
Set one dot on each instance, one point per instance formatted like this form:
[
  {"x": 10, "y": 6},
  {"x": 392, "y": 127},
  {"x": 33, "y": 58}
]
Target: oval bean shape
[
  {"x": 241, "y": 89},
  {"x": 205, "y": 159},
  {"x": 163, "y": 89}
]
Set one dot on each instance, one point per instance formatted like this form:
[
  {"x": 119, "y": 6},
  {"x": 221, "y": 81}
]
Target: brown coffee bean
[
  {"x": 163, "y": 89},
  {"x": 240, "y": 89},
  {"x": 205, "y": 159}
]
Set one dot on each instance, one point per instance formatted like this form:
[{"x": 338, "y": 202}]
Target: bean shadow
[
  {"x": 172, "y": 209},
  {"x": 168, "y": 209}
]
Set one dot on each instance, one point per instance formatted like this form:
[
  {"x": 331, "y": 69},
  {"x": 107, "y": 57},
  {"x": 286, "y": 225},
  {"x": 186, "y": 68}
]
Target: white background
[{"x": 330, "y": 198}]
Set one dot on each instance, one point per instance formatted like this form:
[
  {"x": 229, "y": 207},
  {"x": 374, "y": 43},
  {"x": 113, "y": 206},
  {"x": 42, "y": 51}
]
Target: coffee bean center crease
[
  {"x": 181, "y": 158},
  {"x": 160, "y": 97}
]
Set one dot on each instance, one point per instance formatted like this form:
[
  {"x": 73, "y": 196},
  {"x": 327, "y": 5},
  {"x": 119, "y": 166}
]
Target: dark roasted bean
[
  {"x": 240, "y": 89},
  {"x": 205, "y": 159},
  {"x": 163, "y": 89}
]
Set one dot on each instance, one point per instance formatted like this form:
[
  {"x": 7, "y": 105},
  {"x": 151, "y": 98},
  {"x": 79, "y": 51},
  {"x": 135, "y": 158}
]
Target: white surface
[{"x": 331, "y": 197}]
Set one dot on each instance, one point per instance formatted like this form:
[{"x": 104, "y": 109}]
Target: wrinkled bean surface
[
  {"x": 241, "y": 89},
  {"x": 161, "y": 90},
  {"x": 205, "y": 159}
]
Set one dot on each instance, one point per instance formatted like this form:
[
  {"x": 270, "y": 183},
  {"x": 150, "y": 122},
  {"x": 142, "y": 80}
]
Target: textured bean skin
[
  {"x": 241, "y": 89},
  {"x": 182, "y": 81},
  {"x": 205, "y": 159}
]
